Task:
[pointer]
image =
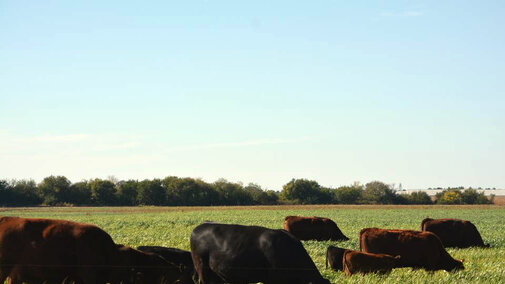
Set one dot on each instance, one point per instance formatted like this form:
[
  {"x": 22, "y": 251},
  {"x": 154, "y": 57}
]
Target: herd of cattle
[{"x": 38, "y": 251}]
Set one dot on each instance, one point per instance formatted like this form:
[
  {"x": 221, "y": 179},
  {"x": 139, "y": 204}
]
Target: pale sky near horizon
[{"x": 409, "y": 92}]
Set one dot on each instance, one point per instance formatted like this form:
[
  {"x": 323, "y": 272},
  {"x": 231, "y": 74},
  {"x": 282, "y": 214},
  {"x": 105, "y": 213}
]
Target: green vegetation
[
  {"x": 172, "y": 226},
  {"x": 175, "y": 191},
  {"x": 468, "y": 196}
]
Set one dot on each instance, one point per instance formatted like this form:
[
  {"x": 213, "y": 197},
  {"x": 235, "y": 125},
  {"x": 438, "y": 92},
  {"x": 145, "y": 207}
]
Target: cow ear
[{"x": 462, "y": 260}]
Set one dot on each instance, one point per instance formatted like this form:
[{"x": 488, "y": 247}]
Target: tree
[
  {"x": 260, "y": 196},
  {"x": 189, "y": 192},
  {"x": 103, "y": 192},
  {"x": 232, "y": 193},
  {"x": 449, "y": 196},
  {"x": 24, "y": 193},
  {"x": 5, "y": 193},
  {"x": 377, "y": 192},
  {"x": 172, "y": 190},
  {"x": 54, "y": 190},
  {"x": 472, "y": 196},
  {"x": 418, "y": 197},
  {"x": 150, "y": 192},
  {"x": 303, "y": 191},
  {"x": 80, "y": 193},
  {"x": 348, "y": 194},
  {"x": 127, "y": 192}
]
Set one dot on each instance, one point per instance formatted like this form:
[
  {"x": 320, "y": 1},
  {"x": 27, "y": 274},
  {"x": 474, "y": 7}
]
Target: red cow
[
  {"x": 454, "y": 232},
  {"x": 364, "y": 262},
  {"x": 417, "y": 249}
]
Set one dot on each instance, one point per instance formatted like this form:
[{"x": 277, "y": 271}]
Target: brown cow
[
  {"x": 364, "y": 262},
  {"x": 313, "y": 228},
  {"x": 454, "y": 232},
  {"x": 51, "y": 251},
  {"x": 417, "y": 249},
  {"x": 334, "y": 256}
]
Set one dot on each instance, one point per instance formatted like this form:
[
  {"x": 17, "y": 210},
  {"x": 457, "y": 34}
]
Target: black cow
[
  {"x": 249, "y": 254},
  {"x": 335, "y": 255},
  {"x": 179, "y": 257}
]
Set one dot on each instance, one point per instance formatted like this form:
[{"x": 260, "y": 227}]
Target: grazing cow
[
  {"x": 249, "y": 254},
  {"x": 454, "y": 232},
  {"x": 334, "y": 256},
  {"x": 364, "y": 262},
  {"x": 145, "y": 267},
  {"x": 313, "y": 228},
  {"x": 417, "y": 249},
  {"x": 179, "y": 257},
  {"x": 53, "y": 251}
]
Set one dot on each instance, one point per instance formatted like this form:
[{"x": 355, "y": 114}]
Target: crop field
[{"x": 172, "y": 226}]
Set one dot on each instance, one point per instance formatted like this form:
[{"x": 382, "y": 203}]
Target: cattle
[
  {"x": 313, "y": 228},
  {"x": 179, "y": 257},
  {"x": 52, "y": 251},
  {"x": 417, "y": 249},
  {"x": 364, "y": 262},
  {"x": 249, "y": 254},
  {"x": 454, "y": 232},
  {"x": 145, "y": 267},
  {"x": 334, "y": 256}
]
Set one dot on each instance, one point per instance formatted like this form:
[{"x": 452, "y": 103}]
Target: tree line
[{"x": 176, "y": 191}]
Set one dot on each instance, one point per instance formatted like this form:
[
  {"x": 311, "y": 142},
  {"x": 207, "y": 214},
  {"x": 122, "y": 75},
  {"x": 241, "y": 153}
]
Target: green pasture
[{"x": 169, "y": 226}]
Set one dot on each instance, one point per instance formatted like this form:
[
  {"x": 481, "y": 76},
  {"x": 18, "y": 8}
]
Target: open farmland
[{"x": 172, "y": 226}]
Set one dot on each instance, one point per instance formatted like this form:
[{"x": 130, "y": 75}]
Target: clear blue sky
[{"x": 409, "y": 92}]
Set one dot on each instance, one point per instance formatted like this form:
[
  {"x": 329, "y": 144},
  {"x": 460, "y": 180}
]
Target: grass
[{"x": 172, "y": 226}]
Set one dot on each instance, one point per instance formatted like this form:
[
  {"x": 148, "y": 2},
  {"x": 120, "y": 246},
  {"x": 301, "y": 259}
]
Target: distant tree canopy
[
  {"x": 348, "y": 194},
  {"x": 176, "y": 191},
  {"x": 377, "y": 192},
  {"x": 457, "y": 196},
  {"x": 418, "y": 197},
  {"x": 303, "y": 191}
]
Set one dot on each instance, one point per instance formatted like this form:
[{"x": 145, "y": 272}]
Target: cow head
[
  {"x": 152, "y": 268},
  {"x": 137, "y": 267},
  {"x": 457, "y": 264}
]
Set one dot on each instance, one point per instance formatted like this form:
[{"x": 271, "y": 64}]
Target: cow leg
[
  {"x": 210, "y": 277},
  {"x": 198, "y": 263},
  {"x": 205, "y": 274}
]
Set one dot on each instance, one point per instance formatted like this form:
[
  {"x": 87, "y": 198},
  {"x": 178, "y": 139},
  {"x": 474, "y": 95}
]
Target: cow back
[
  {"x": 454, "y": 232},
  {"x": 248, "y": 254},
  {"x": 313, "y": 228},
  {"x": 363, "y": 262},
  {"x": 417, "y": 249}
]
